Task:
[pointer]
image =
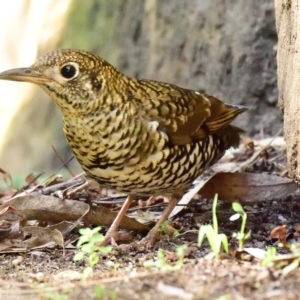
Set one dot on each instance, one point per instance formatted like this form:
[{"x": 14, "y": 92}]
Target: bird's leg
[
  {"x": 151, "y": 237},
  {"x": 112, "y": 231}
]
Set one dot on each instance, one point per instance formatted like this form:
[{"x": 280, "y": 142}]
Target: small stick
[
  {"x": 65, "y": 164},
  {"x": 60, "y": 186}
]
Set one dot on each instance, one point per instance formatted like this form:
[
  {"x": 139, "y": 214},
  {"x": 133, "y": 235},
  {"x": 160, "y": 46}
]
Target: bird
[{"x": 135, "y": 136}]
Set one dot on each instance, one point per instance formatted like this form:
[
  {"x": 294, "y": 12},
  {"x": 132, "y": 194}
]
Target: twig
[
  {"x": 65, "y": 164},
  {"x": 60, "y": 186},
  {"x": 55, "y": 172},
  {"x": 256, "y": 155}
]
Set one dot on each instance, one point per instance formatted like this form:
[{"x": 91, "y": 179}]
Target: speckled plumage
[{"x": 134, "y": 136}]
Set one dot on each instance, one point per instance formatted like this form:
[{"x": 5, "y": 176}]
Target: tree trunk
[{"x": 288, "y": 58}]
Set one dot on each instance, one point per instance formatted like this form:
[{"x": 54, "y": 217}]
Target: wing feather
[{"x": 185, "y": 115}]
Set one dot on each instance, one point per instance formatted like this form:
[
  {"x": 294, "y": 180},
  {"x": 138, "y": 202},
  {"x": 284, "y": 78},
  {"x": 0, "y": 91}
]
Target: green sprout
[
  {"x": 270, "y": 257},
  {"x": 241, "y": 236},
  {"x": 161, "y": 262},
  {"x": 88, "y": 244},
  {"x": 216, "y": 240}
]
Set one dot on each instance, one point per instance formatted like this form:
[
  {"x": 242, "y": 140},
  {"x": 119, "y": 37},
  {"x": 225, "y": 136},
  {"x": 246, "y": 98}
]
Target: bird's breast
[
  {"x": 133, "y": 156},
  {"x": 112, "y": 140}
]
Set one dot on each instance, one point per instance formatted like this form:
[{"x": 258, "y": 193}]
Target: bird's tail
[
  {"x": 230, "y": 136},
  {"x": 219, "y": 122}
]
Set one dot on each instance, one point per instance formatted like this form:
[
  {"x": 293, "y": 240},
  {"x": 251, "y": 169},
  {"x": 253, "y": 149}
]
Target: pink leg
[
  {"x": 151, "y": 237},
  {"x": 112, "y": 231}
]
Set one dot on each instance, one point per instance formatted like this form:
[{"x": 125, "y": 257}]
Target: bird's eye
[{"x": 68, "y": 71}]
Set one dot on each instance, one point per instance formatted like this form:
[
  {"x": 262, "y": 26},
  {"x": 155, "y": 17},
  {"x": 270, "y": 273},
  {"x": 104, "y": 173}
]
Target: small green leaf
[
  {"x": 87, "y": 272},
  {"x": 224, "y": 240},
  {"x": 85, "y": 231},
  {"x": 214, "y": 245},
  {"x": 97, "y": 238},
  {"x": 105, "y": 249},
  {"x": 93, "y": 259},
  {"x": 88, "y": 248},
  {"x": 214, "y": 214},
  {"x": 78, "y": 256},
  {"x": 82, "y": 240},
  {"x": 180, "y": 250},
  {"x": 247, "y": 235},
  {"x": 95, "y": 230},
  {"x": 237, "y": 207},
  {"x": 202, "y": 234}
]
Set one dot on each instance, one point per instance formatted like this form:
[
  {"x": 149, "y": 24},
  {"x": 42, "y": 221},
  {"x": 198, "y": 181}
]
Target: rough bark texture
[
  {"x": 225, "y": 48},
  {"x": 288, "y": 28}
]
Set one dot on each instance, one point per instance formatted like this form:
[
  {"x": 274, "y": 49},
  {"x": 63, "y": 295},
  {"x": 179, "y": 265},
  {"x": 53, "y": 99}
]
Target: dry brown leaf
[
  {"x": 4, "y": 246},
  {"x": 33, "y": 237},
  {"x": 103, "y": 216},
  {"x": 9, "y": 230},
  {"x": 64, "y": 227},
  {"x": 52, "y": 209},
  {"x": 6, "y": 177},
  {"x": 48, "y": 208},
  {"x": 31, "y": 179},
  {"x": 297, "y": 230},
  {"x": 40, "y": 237},
  {"x": 247, "y": 187},
  {"x": 280, "y": 233},
  {"x": 8, "y": 213}
]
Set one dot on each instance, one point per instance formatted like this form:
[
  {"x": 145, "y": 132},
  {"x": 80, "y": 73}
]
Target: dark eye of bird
[{"x": 68, "y": 71}]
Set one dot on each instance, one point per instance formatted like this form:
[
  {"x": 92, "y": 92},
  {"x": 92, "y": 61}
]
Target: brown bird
[{"x": 139, "y": 137}]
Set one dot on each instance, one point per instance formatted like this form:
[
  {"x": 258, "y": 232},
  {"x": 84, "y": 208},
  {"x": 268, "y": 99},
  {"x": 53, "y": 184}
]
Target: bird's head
[{"x": 76, "y": 80}]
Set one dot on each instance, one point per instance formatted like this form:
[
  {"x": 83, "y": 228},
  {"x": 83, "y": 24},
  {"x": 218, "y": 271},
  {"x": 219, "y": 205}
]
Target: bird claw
[
  {"x": 114, "y": 236},
  {"x": 149, "y": 240},
  {"x": 146, "y": 243}
]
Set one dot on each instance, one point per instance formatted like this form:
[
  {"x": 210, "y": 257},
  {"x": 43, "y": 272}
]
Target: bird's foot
[
  {"x": 146, "y": 243},
  {"x": 113, "y": 236},
  {"x": 150, "y": 239}
]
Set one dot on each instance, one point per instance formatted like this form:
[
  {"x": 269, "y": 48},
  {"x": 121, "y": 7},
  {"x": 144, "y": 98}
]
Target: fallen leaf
[
  {"x": 247, "y": 187},
  {"x": 4, "y": 246},
  {"x": 6, "y": 177},
  {"x": 280, "y": 233},
  {"x": 40, "y": 237},
  {"x": 297, "y": 230},
  {"x": 52, "y": 209},
  {"x": 31, "y": 179}
]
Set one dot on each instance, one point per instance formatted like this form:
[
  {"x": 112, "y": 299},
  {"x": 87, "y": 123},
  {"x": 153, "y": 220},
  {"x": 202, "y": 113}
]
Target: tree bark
[{"x": 288, "y": 58}]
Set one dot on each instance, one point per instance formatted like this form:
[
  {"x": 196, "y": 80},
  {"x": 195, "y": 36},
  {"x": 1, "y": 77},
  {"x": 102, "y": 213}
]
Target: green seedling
[
  {"x": 216, "y": 240},
  {"x": 270, "y": 256},
  {"x": 166, "y": 229},
  {"x": 161, "y": 262},
  {"x": 88, "y": 244},
  {"x": 241, "y": 236}
]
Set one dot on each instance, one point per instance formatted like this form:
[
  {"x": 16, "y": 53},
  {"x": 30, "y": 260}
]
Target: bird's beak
[{"x": 24, "y": 74}]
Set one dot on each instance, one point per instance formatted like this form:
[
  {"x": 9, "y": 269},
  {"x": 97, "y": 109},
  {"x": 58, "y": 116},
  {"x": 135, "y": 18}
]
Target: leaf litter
[{"x": 42, "y": 220}]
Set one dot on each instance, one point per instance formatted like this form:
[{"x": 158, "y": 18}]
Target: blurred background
[{"x": 225, "y": 48}]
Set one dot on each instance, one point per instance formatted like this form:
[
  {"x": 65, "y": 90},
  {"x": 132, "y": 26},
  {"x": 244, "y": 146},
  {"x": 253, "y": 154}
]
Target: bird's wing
[{"x": 185, "y": 115}]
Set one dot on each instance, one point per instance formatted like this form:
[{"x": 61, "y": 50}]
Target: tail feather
[{"x": 230, "y": 136}]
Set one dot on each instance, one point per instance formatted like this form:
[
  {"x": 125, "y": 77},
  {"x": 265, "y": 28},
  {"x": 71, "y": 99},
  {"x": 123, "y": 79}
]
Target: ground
[{"x": 51, "y": 273}]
